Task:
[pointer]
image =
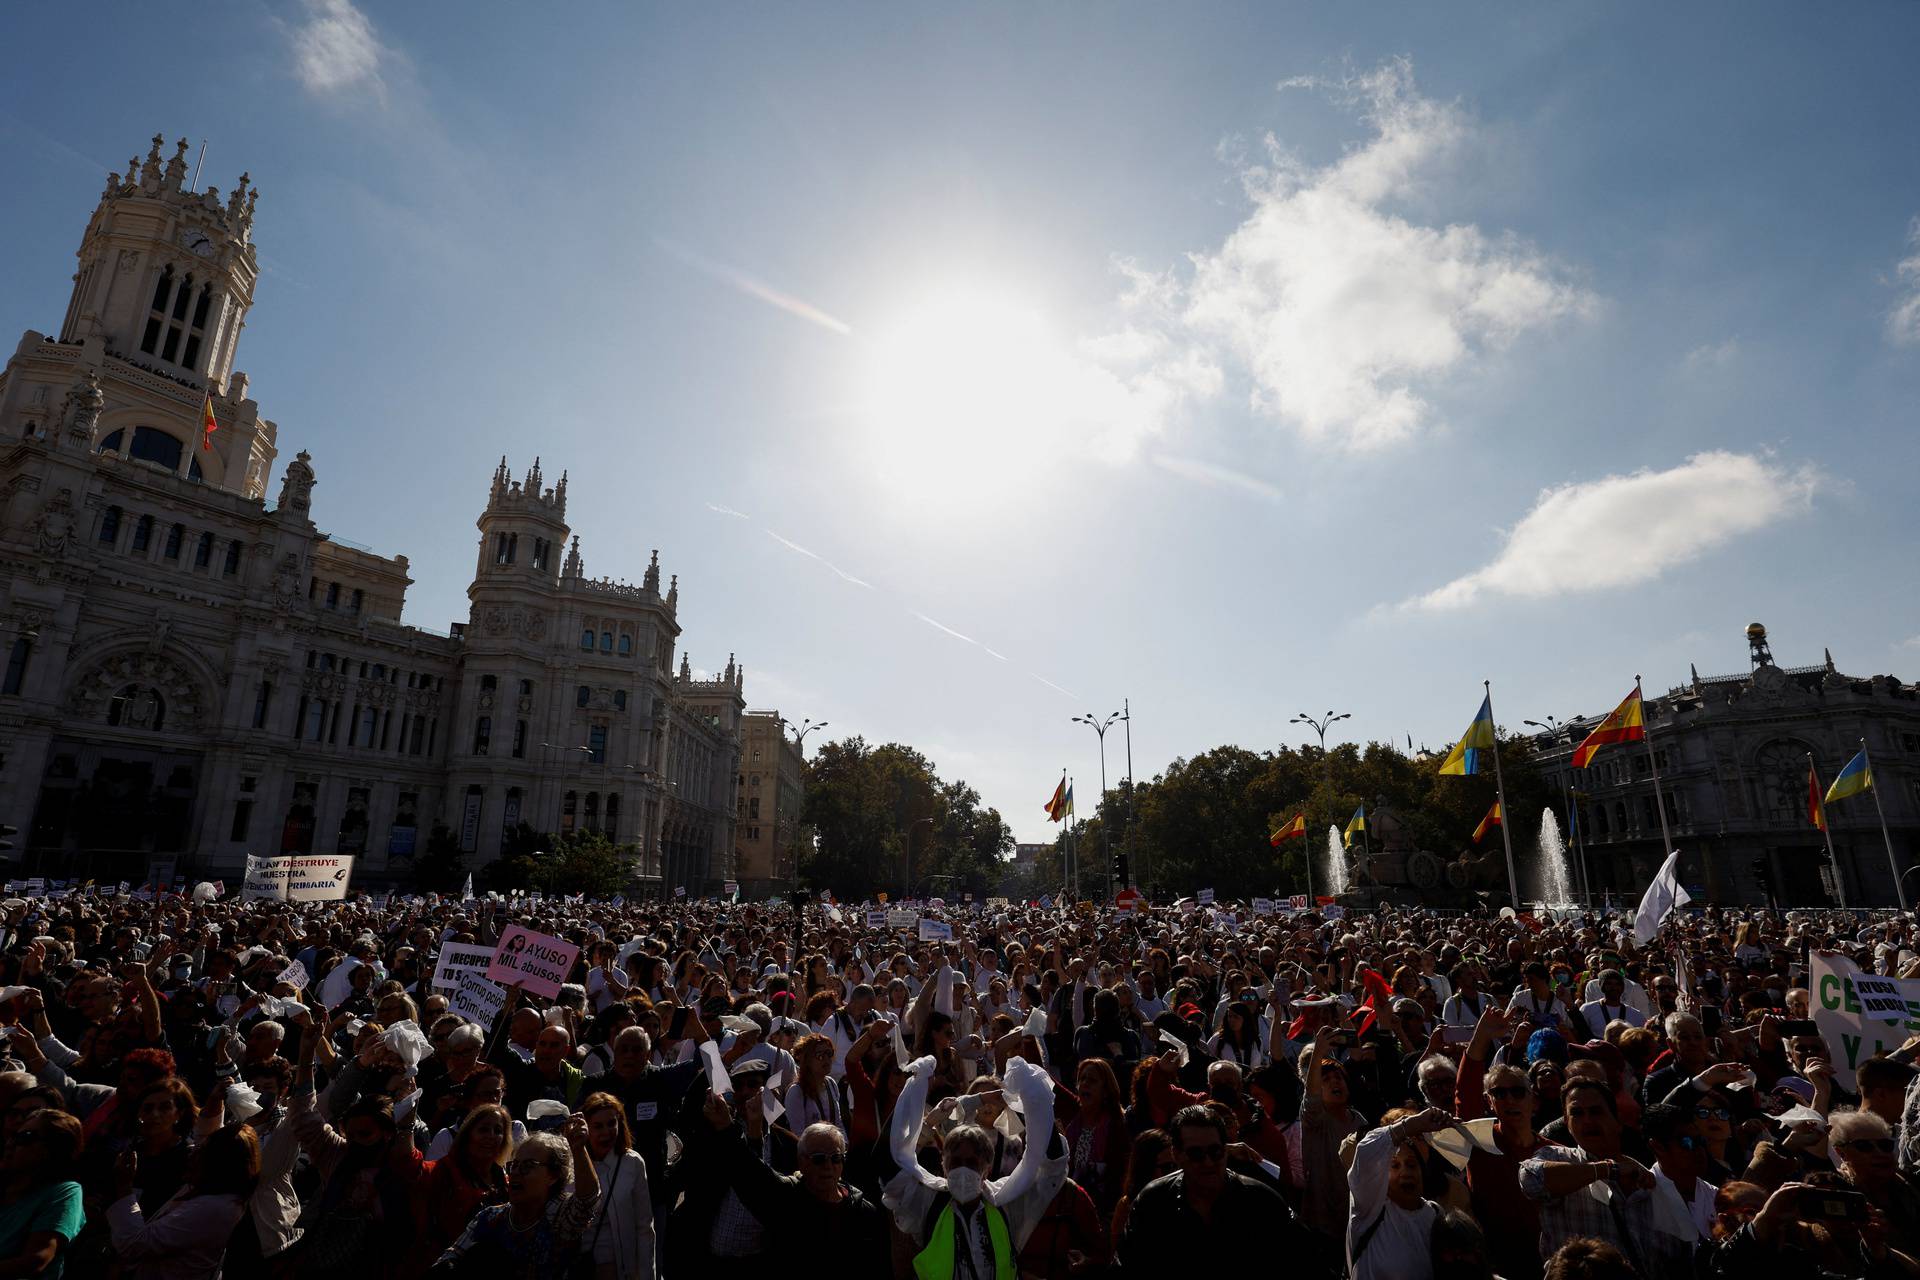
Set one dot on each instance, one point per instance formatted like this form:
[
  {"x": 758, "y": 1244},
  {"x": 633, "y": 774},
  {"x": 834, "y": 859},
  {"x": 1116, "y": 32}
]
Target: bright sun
[{"x": 969, "y": 394}]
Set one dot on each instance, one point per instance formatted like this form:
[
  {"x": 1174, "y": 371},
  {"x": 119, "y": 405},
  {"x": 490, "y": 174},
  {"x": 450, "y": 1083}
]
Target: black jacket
[{"x": 1252, "y": 1229}]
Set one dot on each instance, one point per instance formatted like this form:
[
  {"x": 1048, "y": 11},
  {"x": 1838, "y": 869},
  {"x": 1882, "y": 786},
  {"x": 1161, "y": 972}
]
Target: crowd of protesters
[{"x": 196, "y": 1087}]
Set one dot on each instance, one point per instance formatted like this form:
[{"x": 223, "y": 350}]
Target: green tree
[{"x": 442, "y": 868}]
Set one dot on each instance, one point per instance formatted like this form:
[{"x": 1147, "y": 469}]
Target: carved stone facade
[
  {"x": 772, "y": 793},
  {"x": 1732, "y": 752},
  {"x": 192, "y": 672}
]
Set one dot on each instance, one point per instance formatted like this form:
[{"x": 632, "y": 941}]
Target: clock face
[{"x": 197, "y": 241}]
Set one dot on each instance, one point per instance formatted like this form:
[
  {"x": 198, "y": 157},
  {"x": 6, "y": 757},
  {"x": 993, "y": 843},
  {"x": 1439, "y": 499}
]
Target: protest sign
[
  {"x": 457, "y": 958},
  {"x": 476, "y": 999},
  {"x": 1204, "y": 897},
  {"x": 295, "y": 973},
  {"x": 901, "y": 918},
  {"x": 1263, "y": 906},
  {"x": 1298, "y": 902},
  {"x": 877, "y": 918},
  {"x": 538, "y": 962},
  {"x": 1334, "y": 912},
  {"x": 319, "y": 879},
  {"x": 1852, "y": 1032},
  {"x": 730, "y": 889},
  {"x": 935, "y": 930},
  {"x": 266, "y": 880}
]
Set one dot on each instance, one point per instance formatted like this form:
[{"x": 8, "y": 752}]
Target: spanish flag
[
  {"x": 1816, "y": 810},
  {"x": 1488, "y": 823},
  {"x": 208, "y": 423},
  {"x": 1357, "y": 825},
  {"x": 1625, "y": 724},
  {"x": 1296, "y": 826},
  {"x": 1058, "y": 806},
  {"x": 1465, "y": 756},
  {"x": 1852, "y": 780}
]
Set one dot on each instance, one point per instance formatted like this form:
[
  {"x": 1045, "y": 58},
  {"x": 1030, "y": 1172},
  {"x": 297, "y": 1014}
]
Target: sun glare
[{"x": 967, "y": 393}]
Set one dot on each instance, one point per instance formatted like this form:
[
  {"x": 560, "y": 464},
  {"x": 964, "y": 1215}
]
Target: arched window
[
  {"x": 176, "y": 319},
  {"x": 333, "y": 595},
  {"x": 606, "y": 642},
  {"x": 586, "y": 639},
  {"x": 113, "y": 441},
  {"x": 626, "y": 645},
  {"x": 526, "y": 688},
  {"x": 176, "y": 534},
  {"x": 109, "y": 526},
  {"x": 196, "y": 328},
  {"x": 489, "y": 683},
  {"x": 591, "y": 819},
  {"x": 369, "y": 727},
  {"x": 569, "y": 808},
  {"x": 358, "y": 600},
  {"x": 519, "y": 739},
  {"x": 612, "y": 824},
  {"x": 203, "y": 551},
  {"x": 482, "y": 735},
  {"x": 150, "y": 444},
  {"x": 232, "y": 566},
  {"x": 157, "y": 311},
  {"x": 619, "y": 699},
  {"x": 142, "y": 533},
  {"x": 582, "y": 695}
]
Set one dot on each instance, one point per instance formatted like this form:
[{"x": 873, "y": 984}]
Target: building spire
[
  {"x": 652, "y": 581},
  {"x": 673, "y": 594}
]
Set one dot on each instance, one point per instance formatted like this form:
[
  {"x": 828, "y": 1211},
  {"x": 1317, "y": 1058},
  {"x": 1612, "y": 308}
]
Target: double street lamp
[
  {"x": 1320, "y": 725},
  {"x": 800, "y": 746},
  {"x": 1100, "y": 728}
]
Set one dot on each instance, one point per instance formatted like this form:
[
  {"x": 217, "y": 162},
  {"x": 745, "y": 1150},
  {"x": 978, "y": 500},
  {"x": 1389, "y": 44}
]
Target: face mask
[{"x": 964, "y": 1185}]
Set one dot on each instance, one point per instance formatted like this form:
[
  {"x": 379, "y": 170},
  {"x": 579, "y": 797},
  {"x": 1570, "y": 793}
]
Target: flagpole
[
  {"x": 1826, "y": 829},
  {"x": 1893, "y": 864},
  {"x": 1659, "y": 797},
  {"x": 1500, "y": 794},
  {"x": 1304, "y": 835},
  {"x": 1578, "y": 836}
]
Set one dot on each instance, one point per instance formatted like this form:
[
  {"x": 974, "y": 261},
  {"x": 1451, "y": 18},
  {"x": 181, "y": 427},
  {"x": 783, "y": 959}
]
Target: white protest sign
[
  {"x": 457, "y": 958},
  {"x": 1204, "y": 897},
  {"x": 1851, "y": 1032},
  {"x": 901, "y": 918},
  {"x": 1263, "y": 906},
  {"x": 877, "y": 918},
  {"x": 538, "y": 962},
  {"x": 476, "y": 999},
  {"x": 1334, "y": 913},
  {"x": 295, "y": 973},
  {"x": 319, "y": 879},
  {"x": 935, "y": 930},
  {"x": 1880, "y": 998},
  {"x": 1298, "y": 902}
]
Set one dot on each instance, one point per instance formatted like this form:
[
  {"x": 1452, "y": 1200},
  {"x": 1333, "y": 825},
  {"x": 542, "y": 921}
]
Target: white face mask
[{"x": 964, "y": 1184}]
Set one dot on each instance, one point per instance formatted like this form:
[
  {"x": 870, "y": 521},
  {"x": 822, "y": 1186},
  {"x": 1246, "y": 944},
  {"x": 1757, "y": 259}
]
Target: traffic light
[{"x": 1120, "y": 870}]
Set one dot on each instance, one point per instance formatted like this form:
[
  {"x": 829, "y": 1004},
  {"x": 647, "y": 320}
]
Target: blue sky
[{"x": 981, "y": 367}]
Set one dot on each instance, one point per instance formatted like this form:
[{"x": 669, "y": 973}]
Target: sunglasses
[
  {"x": 1210, "y": 1152},
  {"x": 821, "y": 1158},
  {"x": 1508, "y": 1091},
  {"x": 1711, "y": 1113},
  {"x": 527, "y": 1166},
  {"x": 1883, "y": 1145}
]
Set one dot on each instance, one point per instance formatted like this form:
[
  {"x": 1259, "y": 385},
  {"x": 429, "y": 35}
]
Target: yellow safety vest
[{"x": 935, "y": 1262}]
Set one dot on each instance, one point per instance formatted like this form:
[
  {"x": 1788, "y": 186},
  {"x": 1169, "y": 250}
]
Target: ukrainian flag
[
  {"x": 1852, "y": 780},
  {"x": 1465, "y": 756},
  {"x": 1357, "y": 825}
]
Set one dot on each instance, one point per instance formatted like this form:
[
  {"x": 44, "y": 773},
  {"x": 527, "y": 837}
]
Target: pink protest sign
[{"x": 534, "y": 960}]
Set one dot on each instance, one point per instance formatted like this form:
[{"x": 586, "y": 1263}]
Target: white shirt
[
  {"x": 1636, "y": 995},
  {"x": 1456, "y": 1012},
  {"x": 1400, "y": 1247},
  {"x": 1599, "y": 1013},
  {"x": 1700, "y": 1208}
]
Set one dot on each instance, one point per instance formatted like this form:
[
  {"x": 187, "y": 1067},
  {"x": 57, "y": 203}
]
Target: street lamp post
[
  {"x": 799, "y": 745},
  {"x": 1100, "y": 728},
  {"x": 1126, "y": 718},
  {"x": 1320, "y": 725},
  {"x": 1557, "y": 729},
  {"x": 906, "y": 856}
]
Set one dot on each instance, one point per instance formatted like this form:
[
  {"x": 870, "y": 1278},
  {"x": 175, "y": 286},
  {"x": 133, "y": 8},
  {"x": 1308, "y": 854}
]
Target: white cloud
[
  {"x": 1340, "y": 312},
  {"x": 1713, "y": 355},
  {"x": 1626, "y": 529},
  {"x": 335, "y": 50},
  {"x": 1903, "y": 322}
]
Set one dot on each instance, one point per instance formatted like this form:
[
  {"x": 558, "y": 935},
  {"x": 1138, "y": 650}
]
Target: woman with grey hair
[{"x": 537, "y": 1232}]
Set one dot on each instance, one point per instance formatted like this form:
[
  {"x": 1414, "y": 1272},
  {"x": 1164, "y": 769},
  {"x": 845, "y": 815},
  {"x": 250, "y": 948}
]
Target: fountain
[
  {"x": 1335, "y": 882},
  {"x": 1556, "y": 862}
]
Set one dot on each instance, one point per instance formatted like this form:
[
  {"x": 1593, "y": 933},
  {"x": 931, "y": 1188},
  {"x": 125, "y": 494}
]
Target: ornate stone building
[
  {"x": 191, "y": 671},
  {"x": 772, "y": 792},
  {"x": 1732, "y": 753}
]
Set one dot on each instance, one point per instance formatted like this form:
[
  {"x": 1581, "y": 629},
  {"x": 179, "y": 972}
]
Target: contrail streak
[
  {"x": 728, "y": 511},
  {"x": 941, "y": 626},
  {"x": 755, "y": 288}
]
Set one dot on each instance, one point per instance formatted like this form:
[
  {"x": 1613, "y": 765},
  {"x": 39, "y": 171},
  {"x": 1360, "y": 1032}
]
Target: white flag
[
  {"x": 1662, "y": 896},
  {"x": 466, "y": 894}
]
